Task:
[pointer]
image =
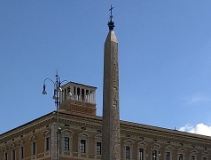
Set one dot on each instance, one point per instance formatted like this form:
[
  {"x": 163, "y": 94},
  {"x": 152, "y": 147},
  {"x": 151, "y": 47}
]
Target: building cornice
[
  {"x": 127, "y": 128},
  {"x": 27, "y": 127}
]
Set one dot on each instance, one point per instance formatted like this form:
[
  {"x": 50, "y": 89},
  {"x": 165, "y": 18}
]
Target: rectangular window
[
  {"x": 13, "y": 154},
  {"x": 21, "y": 152},
  {"x": 127, "y": 152},
  {"x": 180, "y": 157},
  {"x": 66, "y": 143},
  {"x": 141, "y": 154},
  {"x": 155, "y": 155},
  {"x": 33, "y": 148},
  {"x": 99, "y": 148},
  {"x": 168, "y": 155},
  {"x": 83, "y": 95},
  {"x": 47, "y": 141},
  {"x": 74, "y": 92},
  {"x": 193, "y": 157},
  {"x": 6, "y": 156},
  {"x": 83, "y": 146}
]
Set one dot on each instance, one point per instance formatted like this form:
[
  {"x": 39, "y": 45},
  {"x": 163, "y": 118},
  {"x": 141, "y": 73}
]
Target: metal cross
[{"x": 111, "y": 12}]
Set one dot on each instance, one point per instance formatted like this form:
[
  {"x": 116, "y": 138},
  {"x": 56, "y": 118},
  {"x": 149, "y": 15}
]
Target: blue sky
[{"x": 164, "y": 54}]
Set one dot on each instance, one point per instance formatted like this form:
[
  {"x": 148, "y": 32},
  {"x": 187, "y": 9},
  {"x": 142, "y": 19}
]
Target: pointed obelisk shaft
[{"x": 111, "y": 123}]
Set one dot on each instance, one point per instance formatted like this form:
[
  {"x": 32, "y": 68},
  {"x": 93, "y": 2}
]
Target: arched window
[
  {"x": 21, "y": 152},
  {"x": 13, "y": 154},
  {"x": 21, "y": 149},
  {"x": 6, "y": 156},
  {"x": 47, "y": 140},
  {"x": 83, "y": 143},
  {"x": 128, "y": 147},
  {"x": 47, "y": 143},
  {"x": 127, "y": 152},
  {"x": 33, "y": 147},
  {"x": 168, "y": 153},
  {"x": 99, "y": 148},
  {"x": 180, "y": 156},
  {"x": 66, "y": 141},
  {"x": 155, "y": 152},
  {"x": 193, "y": 155},
  {"x": 141, "y": 150},
  {"x": 98, "y": 145},
  {"x": 141, "y": 154},
  {"x": 155, "y": 155}
]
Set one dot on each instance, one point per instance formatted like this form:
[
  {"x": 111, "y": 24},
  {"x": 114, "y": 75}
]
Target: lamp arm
[
  {"x": 48, "y": 80},
  {"x": 63, "y": 81}
]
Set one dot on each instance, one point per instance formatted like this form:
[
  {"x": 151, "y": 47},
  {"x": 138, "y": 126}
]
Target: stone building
[
  {"x": 74, "y": 131},
  {"x": 79, "y": 135}
]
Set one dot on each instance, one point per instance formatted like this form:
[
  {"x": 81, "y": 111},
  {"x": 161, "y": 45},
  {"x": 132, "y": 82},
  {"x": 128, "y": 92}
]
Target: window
[
  {"x": 13, "y": 154},
  {"x": 180, "y": 157},
  {"x": 83, "y": 94},
  {"x": 168, "y": 156},
  {"x": 78, "y": 93},
  {"x": 99, "y": 148},
  {"x": 68, "y": 91},
  {"x": 64, "y": 92},
  {"x": 193, "y": 158},
  {"x": 47, "y": 143},
  {"x": 74, "y": 91},
  {"x": 141, "y": 154},
  {"x": 204, "y": 158},
  {"x": 127, "y": 152},
  {"x": 66, "y": 143},
  {"x": 6, "y": 156},
  {"x": 21, "y": 152},
  {"x": 33, "y": 148},
  {"x": 83, "y": 146},
  {"x": 87, "y": 93},
  {"x": 154, "y": 155}
]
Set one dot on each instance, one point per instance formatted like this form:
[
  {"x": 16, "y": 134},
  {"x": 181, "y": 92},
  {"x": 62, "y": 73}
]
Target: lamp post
[
  {"x": 57, "y": 89},
  {"x": 56, "y": 96}
]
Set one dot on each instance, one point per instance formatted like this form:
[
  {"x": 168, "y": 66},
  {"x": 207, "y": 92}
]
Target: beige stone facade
[
  {"x": 71, "y": 134},
  {"x": 80, "y": 137}
]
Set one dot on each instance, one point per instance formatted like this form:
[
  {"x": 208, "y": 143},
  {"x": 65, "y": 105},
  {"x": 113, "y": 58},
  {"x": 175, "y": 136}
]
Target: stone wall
[{"x": 135, "y": 136}]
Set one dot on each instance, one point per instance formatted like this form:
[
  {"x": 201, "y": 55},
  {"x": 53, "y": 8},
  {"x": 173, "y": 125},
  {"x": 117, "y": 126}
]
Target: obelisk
[{"x": 111, "y": 122}]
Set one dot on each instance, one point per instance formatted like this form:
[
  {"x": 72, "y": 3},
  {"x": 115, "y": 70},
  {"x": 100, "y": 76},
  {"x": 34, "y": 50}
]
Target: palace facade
[{"x": 74, "y": 132}]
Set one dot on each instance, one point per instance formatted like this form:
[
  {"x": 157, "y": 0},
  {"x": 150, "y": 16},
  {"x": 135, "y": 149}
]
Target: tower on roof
[{"x": 78, "y": 99}]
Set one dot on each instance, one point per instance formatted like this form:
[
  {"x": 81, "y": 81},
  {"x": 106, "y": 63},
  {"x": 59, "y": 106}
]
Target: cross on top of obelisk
[
  {"x": 111, "y": 12},
  {"x": 111, "y": 23}
]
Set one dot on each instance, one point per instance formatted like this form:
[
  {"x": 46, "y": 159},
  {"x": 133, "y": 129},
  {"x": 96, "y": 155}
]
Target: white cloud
[
  {"x": 199, "y": 128},
  {"x": 198, "y": 98}
]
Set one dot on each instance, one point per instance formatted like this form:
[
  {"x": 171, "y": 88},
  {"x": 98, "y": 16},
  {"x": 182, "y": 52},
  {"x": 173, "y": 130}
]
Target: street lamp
[
  {"x": 56, "y": 96},
  {"x": 57, "y": 89}
]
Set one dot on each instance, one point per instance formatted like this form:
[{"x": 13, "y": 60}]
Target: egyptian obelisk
[{"x": 111, "y": 122}]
